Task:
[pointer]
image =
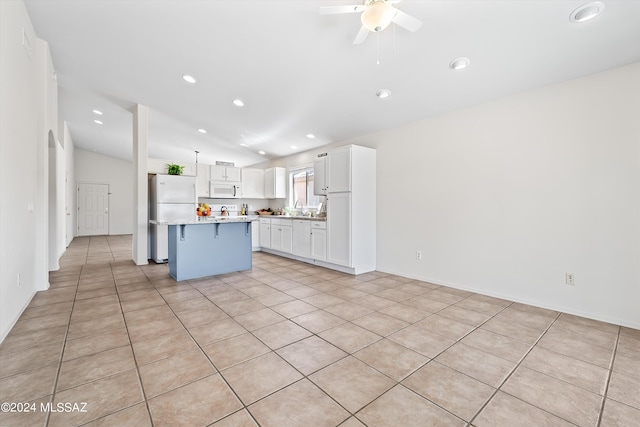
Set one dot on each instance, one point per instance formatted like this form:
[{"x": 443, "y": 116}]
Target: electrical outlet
[
  {"x": 418, "y": 254},
  {"x": 569, "y": 279}
]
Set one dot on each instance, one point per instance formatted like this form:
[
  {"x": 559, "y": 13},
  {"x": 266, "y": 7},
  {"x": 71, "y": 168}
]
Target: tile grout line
[
  {"x": 244, "y": 407},
  {"x": 609, "y": 374},
  {"x": 432, "y": 359},
  {"x": 352, "y": 354},
  {"x": 135, "y": 360},
  {"x": 83, "y": 266},
  {"x": 399, "y": 383},
  {"x": 64, "y": 346},
  {"x": 510, "y": 374},
  {"x": 304, "y": 377}
]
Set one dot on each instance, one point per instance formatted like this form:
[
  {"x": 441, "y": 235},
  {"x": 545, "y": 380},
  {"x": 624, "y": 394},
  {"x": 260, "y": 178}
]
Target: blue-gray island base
[{"x": 206, "y": 249}]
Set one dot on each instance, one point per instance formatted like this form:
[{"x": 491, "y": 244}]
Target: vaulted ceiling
[{"x": 298, "y": 72}]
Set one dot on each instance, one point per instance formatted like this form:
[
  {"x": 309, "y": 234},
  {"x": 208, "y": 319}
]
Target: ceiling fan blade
[
  {"x": 361, "y": 36},
  {"x": 406, "y": 21},
  {"x": 330, "y": 10}
]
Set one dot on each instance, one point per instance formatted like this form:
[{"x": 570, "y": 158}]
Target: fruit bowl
[{"x": 203, "y": 210}]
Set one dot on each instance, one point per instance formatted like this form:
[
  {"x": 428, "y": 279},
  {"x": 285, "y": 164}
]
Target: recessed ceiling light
[
  {"x": 293, "y": 147},
  {"x": 98, "y": 112},
  {"x": 586, "y": 12},
  {"x": 459, "y": 64},
  {"x": 261, "y": 152},
  {"x": 244, "y": 145},
  {"x": 202, "y": 131},
  {"x": 383, "y": 93},
  {"x": 238, "y": 103},
  {"x": 310, "y": 136},
  {"x": 189, "y": 79},
  {"x": 98, "y": 122}
]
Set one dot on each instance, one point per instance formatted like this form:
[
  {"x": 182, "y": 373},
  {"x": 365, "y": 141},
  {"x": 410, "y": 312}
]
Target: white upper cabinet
[
  {"x": 253, "y": 183},
  {"x": 204, "y": 176},
  {"x": 319, "y": 176},
  {"x": 338, "y": 170},
  {"x": 275, "y": 183},
  {"x": 218, "y": 173},
  {"x": 233, "y": 174},
  {"x": 225, "y": 173}
]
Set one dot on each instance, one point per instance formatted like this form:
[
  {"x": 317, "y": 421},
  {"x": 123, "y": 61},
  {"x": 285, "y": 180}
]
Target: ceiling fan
[{"x": 376, "y": 16}]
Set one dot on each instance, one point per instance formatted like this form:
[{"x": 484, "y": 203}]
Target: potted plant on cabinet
[{"x": 174, "y": 169}]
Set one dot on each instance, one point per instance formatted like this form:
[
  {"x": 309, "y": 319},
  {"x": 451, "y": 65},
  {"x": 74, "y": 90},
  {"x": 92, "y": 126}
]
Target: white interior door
[{"x": 93, "y": 209}]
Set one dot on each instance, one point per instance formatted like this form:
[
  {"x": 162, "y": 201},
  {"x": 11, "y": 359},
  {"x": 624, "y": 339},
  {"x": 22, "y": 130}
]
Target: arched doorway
[{"x": 56, "y": 202}]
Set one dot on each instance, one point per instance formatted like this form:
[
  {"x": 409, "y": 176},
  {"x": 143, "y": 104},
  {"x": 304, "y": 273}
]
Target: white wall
[
  {"x": 506, "y": 197},
  {"x": 95, "y": 168},
  {"x": 26, "y": 115}
]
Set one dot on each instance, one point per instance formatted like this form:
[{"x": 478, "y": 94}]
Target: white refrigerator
[{"x": 172, "y": 198}]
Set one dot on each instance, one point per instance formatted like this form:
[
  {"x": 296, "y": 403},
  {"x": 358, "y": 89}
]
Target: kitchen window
[{"x": 301, "y": 184}]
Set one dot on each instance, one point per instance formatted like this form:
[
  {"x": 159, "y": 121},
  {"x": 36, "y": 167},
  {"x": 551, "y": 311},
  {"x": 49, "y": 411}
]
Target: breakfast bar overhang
[{"x": 206, "y": 248}]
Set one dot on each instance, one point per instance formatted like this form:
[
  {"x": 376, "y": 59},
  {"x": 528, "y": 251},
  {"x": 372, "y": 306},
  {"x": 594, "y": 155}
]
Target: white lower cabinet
[
  {"x": 301, "y": 238},
  {"x": 287, "y": 239},
  {"x": 281, "y": 235},
  {"x": 319, "y": 240},
  {"x": 265, "y": 233},
  {"x": 255, "y": 235}
]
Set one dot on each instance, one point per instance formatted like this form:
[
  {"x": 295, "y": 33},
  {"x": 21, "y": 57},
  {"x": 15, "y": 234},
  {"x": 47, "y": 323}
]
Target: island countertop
[{"x": 202, "y": 220}]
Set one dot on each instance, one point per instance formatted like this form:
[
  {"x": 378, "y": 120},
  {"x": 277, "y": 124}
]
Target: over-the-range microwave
[{"x": 224, "y": 190}]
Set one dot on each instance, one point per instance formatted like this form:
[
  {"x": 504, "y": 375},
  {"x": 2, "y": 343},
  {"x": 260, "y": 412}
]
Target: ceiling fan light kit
[{"x": 378, "y": 15}]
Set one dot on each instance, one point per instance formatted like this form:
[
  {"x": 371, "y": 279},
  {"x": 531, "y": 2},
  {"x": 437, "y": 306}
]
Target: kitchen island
[{"x": 209, "y": 246}]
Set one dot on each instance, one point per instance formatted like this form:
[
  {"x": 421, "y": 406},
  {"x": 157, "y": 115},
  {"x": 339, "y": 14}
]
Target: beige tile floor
[{"x": 291, "y": 344}]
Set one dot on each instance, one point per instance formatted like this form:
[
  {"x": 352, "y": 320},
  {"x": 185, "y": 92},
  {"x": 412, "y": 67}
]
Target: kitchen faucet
[{"x": 295, "y": 205}]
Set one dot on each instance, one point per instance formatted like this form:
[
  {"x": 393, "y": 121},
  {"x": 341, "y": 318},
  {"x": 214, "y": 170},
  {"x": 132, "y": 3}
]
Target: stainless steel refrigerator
[{"x": 172, "y": 198}]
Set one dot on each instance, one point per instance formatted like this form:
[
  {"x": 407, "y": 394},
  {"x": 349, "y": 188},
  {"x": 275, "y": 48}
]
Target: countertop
[
  {"x": 309, "y": 218},
  {"x": 209, "y": 220},
  {"x": 240, "y": 218}
]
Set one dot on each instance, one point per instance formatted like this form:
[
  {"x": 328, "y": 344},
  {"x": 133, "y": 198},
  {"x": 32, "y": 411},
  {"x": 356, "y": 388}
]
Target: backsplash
[{"x": 254, "y": 204}]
